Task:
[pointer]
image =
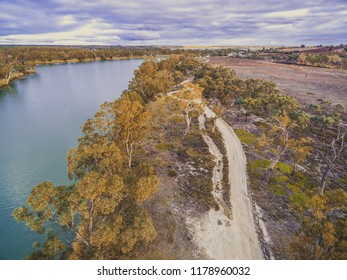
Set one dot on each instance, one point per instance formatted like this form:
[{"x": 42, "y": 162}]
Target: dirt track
[
  {"x": 307, "y": 84},
  {"x": 218, "y": 236}
]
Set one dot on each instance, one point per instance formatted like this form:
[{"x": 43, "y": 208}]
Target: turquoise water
[{"x": 40, "y": 120}]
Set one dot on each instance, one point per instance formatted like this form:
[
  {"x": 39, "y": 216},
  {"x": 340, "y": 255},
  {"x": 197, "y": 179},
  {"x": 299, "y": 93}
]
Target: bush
[{"x": 172, "y": 173}]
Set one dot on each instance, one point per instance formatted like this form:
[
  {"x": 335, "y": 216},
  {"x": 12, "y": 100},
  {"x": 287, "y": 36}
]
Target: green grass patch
[
  {"x": 304, "y": 182},
  {"x": 284, "y": 168},
  {"x": 298, "y": 200},
  {"x": 246, "y": 137},
  {"x": 258, "y": 167},
  {"x": 293, "y": 188},
  {"x": 282, "y": 179},
  {"x": 277, "y": 189},
  {"x": 343, "y": 180}
]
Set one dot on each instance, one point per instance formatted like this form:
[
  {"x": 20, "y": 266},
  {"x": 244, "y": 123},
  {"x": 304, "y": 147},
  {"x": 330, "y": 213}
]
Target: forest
[{"x": 115, "y": 207}]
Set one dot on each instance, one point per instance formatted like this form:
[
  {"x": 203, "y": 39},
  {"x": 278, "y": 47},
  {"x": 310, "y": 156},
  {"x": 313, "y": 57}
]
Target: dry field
[{"x": 305, "y": 83}]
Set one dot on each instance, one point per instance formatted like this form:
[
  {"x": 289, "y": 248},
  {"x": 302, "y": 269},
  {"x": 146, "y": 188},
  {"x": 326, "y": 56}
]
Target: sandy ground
[
  {"x": 217, "y": 235},
  {"x": 307, "y": 84}
]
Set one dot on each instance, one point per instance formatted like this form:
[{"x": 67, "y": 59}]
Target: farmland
[{"x": 305, "y": 83}]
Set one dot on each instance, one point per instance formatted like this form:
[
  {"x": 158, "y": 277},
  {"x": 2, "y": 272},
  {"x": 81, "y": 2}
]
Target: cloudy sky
[{"x": 173, "y": 22}]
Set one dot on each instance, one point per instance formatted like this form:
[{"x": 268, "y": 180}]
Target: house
[
  {"x": 244, "y": 51},
  {"x": 233, "y": 54}
]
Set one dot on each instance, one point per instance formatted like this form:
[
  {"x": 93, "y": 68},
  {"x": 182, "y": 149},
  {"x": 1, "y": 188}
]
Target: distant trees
[{"x": 319, "y": 59}]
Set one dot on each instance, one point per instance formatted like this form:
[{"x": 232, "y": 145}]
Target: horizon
[
  {"x": 175, "y": 46},
  {"x": 173, "y": 23}
]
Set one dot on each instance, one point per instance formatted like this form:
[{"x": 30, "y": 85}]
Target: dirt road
[{"x": 217, "y": 235}]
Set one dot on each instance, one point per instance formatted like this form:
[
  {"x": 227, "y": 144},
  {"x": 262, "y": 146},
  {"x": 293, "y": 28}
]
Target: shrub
[{"x": 172, "y": 173}]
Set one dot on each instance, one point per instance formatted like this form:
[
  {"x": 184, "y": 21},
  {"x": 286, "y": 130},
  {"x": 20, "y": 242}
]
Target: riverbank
[
  {"x": 87, "y": 60},
  {"x": 3, "y": 82}
]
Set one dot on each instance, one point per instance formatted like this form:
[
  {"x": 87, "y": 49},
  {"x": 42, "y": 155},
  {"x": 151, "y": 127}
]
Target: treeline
[
  {"x": 41, "y": 54},
  {"x": 322, "y": 60}
]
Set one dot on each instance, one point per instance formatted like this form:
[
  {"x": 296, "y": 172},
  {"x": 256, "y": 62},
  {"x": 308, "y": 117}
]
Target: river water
[{"x": 40, "y": 120}]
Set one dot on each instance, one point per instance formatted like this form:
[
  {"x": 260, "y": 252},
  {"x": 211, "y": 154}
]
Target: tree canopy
[{"x": 101, "y": 216}]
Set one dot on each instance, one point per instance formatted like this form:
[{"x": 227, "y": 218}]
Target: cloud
[
  {"x": 67, "y": 20},
  {"x": 288, "y": 14},
  {"x": 175, "y": 22},
  {"x": 139, "y": 35}
]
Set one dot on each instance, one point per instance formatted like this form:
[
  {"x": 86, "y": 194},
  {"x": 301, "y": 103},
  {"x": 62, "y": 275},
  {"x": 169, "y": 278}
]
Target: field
[{"x": 305, "y": 83}]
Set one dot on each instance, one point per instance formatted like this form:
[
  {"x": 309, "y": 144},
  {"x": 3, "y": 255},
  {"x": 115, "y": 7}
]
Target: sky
[{"x": 173, "y": 22}]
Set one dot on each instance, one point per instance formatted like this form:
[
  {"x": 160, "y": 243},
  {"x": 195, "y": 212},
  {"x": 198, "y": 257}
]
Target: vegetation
[
  {"x": 287, "y": 144},
  {"x": 323, "y": 60},
  {"x": 11, "y": 67},
  {"x": 246, "y": 137},
  {"x": 105, "y": 213}
]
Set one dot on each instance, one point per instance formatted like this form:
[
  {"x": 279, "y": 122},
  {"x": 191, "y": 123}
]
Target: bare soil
[{"x": 307, "y": 84}]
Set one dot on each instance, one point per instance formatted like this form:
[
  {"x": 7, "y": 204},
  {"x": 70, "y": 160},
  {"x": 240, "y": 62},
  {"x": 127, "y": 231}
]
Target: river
[{"x": 40, "y": 120}]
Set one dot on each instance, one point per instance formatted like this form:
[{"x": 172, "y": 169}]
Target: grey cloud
[{"x": 199, "y": 21}]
